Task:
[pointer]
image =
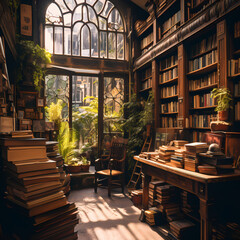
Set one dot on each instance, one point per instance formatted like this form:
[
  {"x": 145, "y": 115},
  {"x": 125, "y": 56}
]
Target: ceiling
[{"x": 140, "y": 3}]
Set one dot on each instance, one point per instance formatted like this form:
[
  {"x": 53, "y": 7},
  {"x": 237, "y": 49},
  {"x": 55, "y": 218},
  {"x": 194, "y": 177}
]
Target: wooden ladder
[{"x": 136, "y": 174}]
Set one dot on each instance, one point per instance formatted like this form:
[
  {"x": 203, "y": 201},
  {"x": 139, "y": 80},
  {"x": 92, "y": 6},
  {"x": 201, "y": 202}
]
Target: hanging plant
[{"x": 32, "y": 64}]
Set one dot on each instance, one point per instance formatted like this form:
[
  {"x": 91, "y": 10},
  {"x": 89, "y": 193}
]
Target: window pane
[
  {"x": 67, "y": 19},
  {"x": 58, "y": 40},
  {"x": 76, "y": 39},
  {"x": 111, "y": 45},
  {"x": 94, "y": 40},
  {"x": 102, "y": 23},
  {"x": 120, "y": 46},
  {"x": 71, "y": 4},
  {"x": 80, "y": 1},
  {"x": 67, "y": 41},
  {"x": 85, "y": 42},
  {"x": 56, "y": 87},
  {"x": 77, "y": 15},
  {"x": 53, "y": 15},
  {"x": 115, "y": 20},
  {"x": 85, "y": 14},
  {"x": 107, "y": 9},
  {"x": 49, "y": 38},
  {"x": 92, "y": 16},
  {"x": 99, "y": 5},
  {"x": 62, "y": 5},
  {"x": 103, "y": 44},
  {"x": 91, "y": 2}
]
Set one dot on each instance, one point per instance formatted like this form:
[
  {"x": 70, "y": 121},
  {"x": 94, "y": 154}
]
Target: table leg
[
  {"x": 146, "y": 181},
  {"x": 205, "y": 223}
]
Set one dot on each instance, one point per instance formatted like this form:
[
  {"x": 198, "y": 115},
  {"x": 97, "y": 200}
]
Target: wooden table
[{"x": 209, "y": 189}]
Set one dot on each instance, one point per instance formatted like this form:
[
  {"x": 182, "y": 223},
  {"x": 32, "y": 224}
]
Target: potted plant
[
  {"x": 76, "y": 165},
  {"x": 224, "y": 99}
]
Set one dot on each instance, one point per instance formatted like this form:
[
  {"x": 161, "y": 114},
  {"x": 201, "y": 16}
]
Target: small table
[{"x": 206, "y": 187}]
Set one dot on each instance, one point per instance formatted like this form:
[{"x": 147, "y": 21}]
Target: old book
[
  {"x": 37, "y": 179},
  {"x": 196, "y": 147},
  {"x": 31, "y": 166},
  {"x": 215, "y": 160},
  {"x": 34, "y": 187},
  {"x": 36, "y": 202},
  {"x": 15, "y": 154},
  {"x": 10, "y": 142}
]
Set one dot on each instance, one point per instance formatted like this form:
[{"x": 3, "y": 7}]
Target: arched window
[{"x": 86, "y": 28}]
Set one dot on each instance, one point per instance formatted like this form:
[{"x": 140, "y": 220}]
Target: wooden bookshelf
[{"x": 145, "y": 79}]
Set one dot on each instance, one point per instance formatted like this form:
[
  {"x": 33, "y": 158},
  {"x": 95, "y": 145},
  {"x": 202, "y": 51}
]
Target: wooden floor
[{"x": 102, "y": 218}]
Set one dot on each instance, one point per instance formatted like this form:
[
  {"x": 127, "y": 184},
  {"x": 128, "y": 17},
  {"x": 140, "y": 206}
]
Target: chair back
[{"x": 118, "y": 152}]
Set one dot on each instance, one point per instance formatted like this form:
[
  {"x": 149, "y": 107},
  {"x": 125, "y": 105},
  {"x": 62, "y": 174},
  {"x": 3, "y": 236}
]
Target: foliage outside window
[{"x": 87, "y": 28}]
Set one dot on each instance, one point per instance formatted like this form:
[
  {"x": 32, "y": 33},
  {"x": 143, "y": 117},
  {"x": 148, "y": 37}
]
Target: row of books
[
  {"x": 237, "y": 29},
  {"x": 171, "y": 24},
  {"x": 169, "y": 91},
  {"x": 197, "y": 136},
  {"x": 34, "y": 192},
  {"x": 203, "y": 100},
  {"x": 233, "y": 67},
  {"x": 146, "y": 41},
  {"x": 146, "y": 73},
  {"x": 169, "y": 62},
  {"x": 168, "y": 75},
  {"x": 170, "y": 107},
  {"x": 203, "y": 61},
  {"x": 201, "y": 121},
  {"x": 237, "y": 111},
  {"x": 168, "y": 122},
  {"x": 146, "y": 84},
  {"x": 204, "y": 81},
  {"x": 236, "y": 89},
  {"x": 203, "y": 46}
]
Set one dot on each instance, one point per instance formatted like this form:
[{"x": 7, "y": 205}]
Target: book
[
  {"x": 215, "y": 160},
  {"x": 31, "y": 166},
  {"x": 196, "y": 147},
  {"x": 12, "y": 142},
  {"x": 212, "y": 170}
]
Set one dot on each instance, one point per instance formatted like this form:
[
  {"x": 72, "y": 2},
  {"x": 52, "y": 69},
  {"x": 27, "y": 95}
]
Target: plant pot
[
  {"x": 85, "y": 168},
  {"x": 223, "y": 115},
  {"x": 74, "y": 169}
]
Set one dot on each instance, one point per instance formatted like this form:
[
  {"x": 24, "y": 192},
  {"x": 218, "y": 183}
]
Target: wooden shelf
[
  {"x": 147, "y": 46},
  {"x": 200, "y": 128},
  {"x": 237, "y": 52},
  {"x": 169, "y": 68},
  {"x": 206, "y": 69},
  {"x": 174, "y": 96},
  {"x": 145, "y": 79},
  {"x": 235, "y": 76},
  {"x": 169, "y": 113},
  {"x": 195, "y": 8},
  {"x": 145, "y": 27},
  {"x": 169, "y": 81},
  {"x": 204, "y": 53},
  {"x": 200, "y": 108},
  {"x": 178, "y": 23},
  {"x": 146, "y": 89},
  {"x": 204, "y": 88},
  {"x": 169, "y": 128}
]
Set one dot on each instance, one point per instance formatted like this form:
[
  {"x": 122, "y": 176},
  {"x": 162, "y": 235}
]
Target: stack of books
[
  {"x": 34, "y": 191},
  {"x": 226, "y": 230},
  {"x": 152, "y": 192},
  {"x": 153, "y": 217},
  {"x": 183, "y": 229},
  {"x": 191, "y": 155},
  {"x": 53, "y": 154},
  {"x": 215, "y": 164},
  {"x": 177, "y": 160},
  {"x": 179, "y": 143},
  {"x": 189, "y": 204},
  {"x": 165, "y": 193},
  {"x": 165, "y": 153}
]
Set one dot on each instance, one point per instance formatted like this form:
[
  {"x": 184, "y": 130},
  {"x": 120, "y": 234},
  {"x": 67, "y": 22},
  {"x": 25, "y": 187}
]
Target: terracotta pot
[
  {"x": 74, "y": 169},
  {"x": 223, "y": 115},
  {"x": 85, "y": 168}
]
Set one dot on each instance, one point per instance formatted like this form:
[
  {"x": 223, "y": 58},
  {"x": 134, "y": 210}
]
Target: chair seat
[{"x": 107, "y": 172}]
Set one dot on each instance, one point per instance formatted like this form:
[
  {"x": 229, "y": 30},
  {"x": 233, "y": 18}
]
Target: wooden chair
[{"x": 110, "y": 171}]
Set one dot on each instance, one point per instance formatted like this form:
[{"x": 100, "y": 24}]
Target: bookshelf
[
  {"x": 169, "y": 20},
  {"x": 145, "y": 78},
  {"x": 168, "y": 85}
]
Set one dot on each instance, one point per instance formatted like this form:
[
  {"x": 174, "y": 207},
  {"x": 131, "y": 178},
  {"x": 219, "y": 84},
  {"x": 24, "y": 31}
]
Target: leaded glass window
[{"x": 86, "y": 28}]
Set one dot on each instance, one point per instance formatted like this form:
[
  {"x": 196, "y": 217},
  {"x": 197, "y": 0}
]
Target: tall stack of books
[
  {"x": 165, "y": 193},
  {"x": 34, "y": 192},
  {"x": 152, "y": 192},
  {"x": 191, "y": 155},
  {"x": 165, "y": 153},
  {"x": 177, "y": 159},
  {"x": 53, "y": 154},
  {"x": 183, "y": 229},
  {"x": 215, "y": 164}
]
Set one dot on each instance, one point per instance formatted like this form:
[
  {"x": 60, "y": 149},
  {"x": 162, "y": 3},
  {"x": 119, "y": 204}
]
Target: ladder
[{"x": 136, "y": 174}]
